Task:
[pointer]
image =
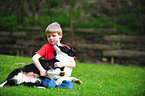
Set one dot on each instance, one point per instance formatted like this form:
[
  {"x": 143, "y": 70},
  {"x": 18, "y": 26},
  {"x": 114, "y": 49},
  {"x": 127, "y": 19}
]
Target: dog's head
[
  {"x": 65, "y": 55},
  {"x": 63, "y": 49}
]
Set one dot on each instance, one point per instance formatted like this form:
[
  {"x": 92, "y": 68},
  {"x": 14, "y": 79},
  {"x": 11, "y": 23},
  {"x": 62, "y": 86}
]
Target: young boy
[{"x": 54, "y": 34}]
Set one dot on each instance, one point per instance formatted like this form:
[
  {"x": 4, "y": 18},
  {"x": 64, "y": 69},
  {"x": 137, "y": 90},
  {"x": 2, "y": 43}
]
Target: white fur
[
  {"x": 2, "y": 85},
  {"x": 63, "y": 57},
  {"x": 53, "y": 74},
  {"x": 26, "y": 77}
]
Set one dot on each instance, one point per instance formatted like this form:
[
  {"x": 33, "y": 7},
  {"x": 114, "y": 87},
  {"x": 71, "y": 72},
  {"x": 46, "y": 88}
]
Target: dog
[{"x": 29, "y": 75}]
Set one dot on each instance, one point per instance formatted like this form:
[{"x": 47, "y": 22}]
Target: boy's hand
[
  {"x": 43, "y": 73},
  {"x": 59, "y": 64}
]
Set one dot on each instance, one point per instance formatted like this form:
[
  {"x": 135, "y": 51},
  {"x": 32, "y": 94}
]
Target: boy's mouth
[{"x": 53, "y": 43}]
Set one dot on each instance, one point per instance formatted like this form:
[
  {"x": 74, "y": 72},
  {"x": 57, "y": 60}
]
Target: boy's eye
[
  {"x": 51, "y": 35},
  {"x": 48, "y": 36}
]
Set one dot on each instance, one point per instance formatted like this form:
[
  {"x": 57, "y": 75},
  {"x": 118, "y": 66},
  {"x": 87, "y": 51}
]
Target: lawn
[{"x": 98, "y": 80}]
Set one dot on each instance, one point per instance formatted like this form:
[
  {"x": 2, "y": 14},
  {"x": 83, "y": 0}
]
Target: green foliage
[
  {"x": 54, "y": 3},
  {"x": 101, "y": 21},
  {"x": 129, "y": 15},
  {"x": 126, "y": 23},
  {"x": 63, "y": 17},
  {"x": 28, "y": 21},
  {"x": 98, "y": 80},
  {"x": 8, "y": 23}
]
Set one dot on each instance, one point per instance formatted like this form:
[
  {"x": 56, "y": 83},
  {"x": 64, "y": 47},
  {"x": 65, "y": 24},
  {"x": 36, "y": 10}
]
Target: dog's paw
[{"x": 78, "y": 81}]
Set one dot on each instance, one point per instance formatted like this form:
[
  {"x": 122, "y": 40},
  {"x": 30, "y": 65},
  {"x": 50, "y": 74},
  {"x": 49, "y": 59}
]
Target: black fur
[
  {"x": 46, "y": 64},
  {"x": 71, "y": 52}
]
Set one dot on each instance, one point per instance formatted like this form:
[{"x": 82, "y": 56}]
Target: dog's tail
[{"x": 3, "y": 84}]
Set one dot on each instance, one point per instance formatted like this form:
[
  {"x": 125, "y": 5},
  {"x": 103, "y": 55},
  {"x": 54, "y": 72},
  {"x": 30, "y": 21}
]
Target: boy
[{"x": 54, "y": 34}]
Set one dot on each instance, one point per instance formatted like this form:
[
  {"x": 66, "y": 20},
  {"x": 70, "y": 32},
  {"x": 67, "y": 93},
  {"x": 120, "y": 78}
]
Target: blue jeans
[{"x": 50, "y": 83}]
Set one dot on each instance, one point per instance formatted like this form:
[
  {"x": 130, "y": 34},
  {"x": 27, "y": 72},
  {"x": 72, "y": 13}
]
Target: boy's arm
[
  {"x": 38, "y": 65},
  {"x": 64, "y": 64}
]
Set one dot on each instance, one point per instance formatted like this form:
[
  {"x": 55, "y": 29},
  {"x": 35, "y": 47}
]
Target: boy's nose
[{"x": 51, "y": 37}]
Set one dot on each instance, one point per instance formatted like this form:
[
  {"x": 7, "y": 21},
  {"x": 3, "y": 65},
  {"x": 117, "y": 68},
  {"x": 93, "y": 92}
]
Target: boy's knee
[
  {"x": 66, "y": 84},
  {"x": 48, "y": 83}
]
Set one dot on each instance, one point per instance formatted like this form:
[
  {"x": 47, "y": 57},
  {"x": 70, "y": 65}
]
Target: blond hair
[{"x": 54, "y": 27}]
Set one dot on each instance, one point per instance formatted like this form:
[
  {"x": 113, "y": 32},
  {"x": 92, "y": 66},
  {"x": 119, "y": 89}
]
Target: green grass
[{"x": 98, "y": 80}]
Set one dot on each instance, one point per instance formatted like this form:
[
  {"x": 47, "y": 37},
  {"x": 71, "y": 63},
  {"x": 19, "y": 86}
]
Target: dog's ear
[{"x": 72, "y": 52}]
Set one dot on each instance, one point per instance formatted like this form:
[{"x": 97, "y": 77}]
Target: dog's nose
[
  {"x": 62, "y": 73},
  {"x": 58, "y": 43}
]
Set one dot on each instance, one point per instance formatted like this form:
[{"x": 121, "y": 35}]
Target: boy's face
[{"x": 53, "y": 37}]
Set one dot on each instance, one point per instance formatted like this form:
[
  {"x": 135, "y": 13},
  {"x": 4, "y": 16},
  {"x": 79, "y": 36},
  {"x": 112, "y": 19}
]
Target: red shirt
[{"x": 48, "y": 52}]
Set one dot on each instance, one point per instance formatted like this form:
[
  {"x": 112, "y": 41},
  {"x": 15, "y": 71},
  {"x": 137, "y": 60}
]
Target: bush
[{"x": 8, "y": 23}]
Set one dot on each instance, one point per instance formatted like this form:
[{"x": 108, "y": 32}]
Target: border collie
[{"x": 29, "y": 75}]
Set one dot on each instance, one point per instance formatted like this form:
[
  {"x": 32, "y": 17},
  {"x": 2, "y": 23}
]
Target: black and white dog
[{"x": 29, "y": 75}]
